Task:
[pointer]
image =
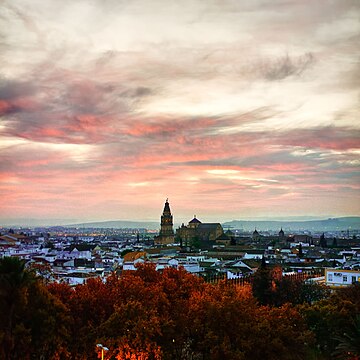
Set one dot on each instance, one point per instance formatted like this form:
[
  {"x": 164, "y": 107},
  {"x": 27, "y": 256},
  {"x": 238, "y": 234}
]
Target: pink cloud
[
  {"x": 5, "y": 107},
  {"x": 17, "y": 105},
  {"x": 334, "y": 138},
  {"x": 168, "y": 156}
]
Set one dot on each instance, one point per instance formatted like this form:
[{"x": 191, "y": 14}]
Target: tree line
[{"x": 149, "y": 315}]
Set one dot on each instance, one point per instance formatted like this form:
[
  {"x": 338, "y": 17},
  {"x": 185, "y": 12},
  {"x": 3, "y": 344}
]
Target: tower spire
[{"x": 166, "y": 235}]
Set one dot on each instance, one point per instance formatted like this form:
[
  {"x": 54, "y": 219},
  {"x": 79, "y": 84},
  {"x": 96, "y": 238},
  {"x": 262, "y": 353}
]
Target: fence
[{"x": 248, "y": 279}]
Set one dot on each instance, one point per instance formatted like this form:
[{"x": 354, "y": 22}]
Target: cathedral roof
[{"x": 208, "y": 226}]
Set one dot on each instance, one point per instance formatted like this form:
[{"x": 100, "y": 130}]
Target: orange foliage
[
  {"x": 126, "y": 352},
  {"x": 151, "y": 315}
]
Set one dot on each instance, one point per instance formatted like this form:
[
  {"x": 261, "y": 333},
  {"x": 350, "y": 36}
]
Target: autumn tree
[
  {"x": 151, "y": 311},
  {"x": 172, "y": 315},
  {"x": 228, "y": 324}
]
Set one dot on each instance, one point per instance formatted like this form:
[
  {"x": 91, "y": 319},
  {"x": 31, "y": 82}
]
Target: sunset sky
[{"x": 231, "y": 109}]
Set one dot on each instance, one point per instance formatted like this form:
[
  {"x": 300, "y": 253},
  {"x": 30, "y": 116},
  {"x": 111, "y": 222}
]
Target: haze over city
[{"x": 232, "y": 109}]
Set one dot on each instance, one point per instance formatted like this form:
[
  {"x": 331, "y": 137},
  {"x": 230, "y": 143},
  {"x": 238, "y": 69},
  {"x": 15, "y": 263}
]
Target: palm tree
[{"x": 349, "y": 342}]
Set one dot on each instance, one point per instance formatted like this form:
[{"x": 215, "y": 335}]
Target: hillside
[
  {"x": 332, "y": 224},
  {"x": 121, "y": 224}
]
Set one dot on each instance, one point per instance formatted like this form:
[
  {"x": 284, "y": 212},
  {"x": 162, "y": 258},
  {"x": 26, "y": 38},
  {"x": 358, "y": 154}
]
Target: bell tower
[{"x": 166, "y": 235}]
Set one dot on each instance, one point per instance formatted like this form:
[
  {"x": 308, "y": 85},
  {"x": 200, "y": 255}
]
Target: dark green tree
[
  {"x": 195, "y": 243},
  {"x": 14, "y": 282},
  {"x": 323, "y": 242},
  {"x": 300, "y": 250},
  {"x": 32, "y": 321},
  {"x": 349, "y": 342},
  {"x": 262, "y": 284},
  {"x": 334, "y": 323}
]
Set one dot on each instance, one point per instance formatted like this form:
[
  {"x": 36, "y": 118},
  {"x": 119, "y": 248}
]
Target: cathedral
[
  {"x": 204, "y": 233},
  {"x": 166, "y": 235}
]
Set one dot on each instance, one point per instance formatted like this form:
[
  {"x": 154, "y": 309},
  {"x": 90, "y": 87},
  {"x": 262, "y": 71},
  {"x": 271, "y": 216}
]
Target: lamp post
[{"x": 103, "y": 348}]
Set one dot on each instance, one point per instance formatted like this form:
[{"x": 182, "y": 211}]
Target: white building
[
  {"x": 253, "y": 254},
  {"x": 340, "y": 277}
]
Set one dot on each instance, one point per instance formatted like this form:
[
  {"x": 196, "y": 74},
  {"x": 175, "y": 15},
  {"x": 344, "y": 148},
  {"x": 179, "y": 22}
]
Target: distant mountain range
[
  {"x": 332, "y": 224},
  {"x": 120, "y": 224},
  {"x": 151, "y": 225},
  {"x": 28, "y": 222}
]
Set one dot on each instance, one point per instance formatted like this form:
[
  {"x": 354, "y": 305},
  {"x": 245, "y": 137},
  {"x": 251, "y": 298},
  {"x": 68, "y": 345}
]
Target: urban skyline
[{"x": 232, "y": 110}]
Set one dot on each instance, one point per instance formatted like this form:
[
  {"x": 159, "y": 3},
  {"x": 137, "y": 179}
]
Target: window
[
  {"x": 353, "y": 279},
  {"x": 345, "y": 278},
  {"x": 330, "y": 277}
]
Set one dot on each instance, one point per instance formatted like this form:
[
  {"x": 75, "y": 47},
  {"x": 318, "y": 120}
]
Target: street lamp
[{"x": 103, "y": 348}]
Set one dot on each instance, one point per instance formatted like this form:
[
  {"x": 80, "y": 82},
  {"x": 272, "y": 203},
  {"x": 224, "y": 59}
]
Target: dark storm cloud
[
  {"x": 138, "y": 92},
  {"x": 16, "y": 96},
  {"x": 11, "y": 89},
  {"x": 283, "y": 67}
]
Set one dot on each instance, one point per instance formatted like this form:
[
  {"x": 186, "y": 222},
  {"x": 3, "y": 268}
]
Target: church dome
[{"x": 195, "y": 221}]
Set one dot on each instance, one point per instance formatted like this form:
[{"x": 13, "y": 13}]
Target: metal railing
[{"x": 248, "y": 279}]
